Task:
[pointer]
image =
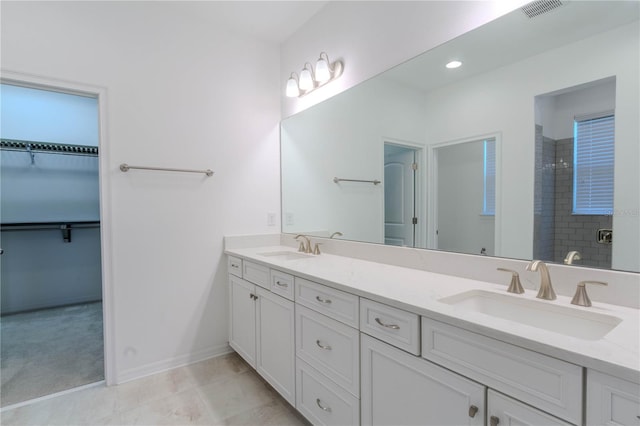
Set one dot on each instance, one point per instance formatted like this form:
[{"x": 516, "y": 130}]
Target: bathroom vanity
[{"x": 350, "y": 341}]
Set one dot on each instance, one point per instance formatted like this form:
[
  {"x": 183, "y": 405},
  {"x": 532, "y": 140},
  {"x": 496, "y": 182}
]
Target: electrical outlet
[
  {"x": 271, "y": 219},
  {"x": 288, "y": 219}
]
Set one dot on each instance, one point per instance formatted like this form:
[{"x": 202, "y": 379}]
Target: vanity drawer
[
  {"x": 282, "y": 284},
  {"x": 331, "y": 347},
  {"x": 321, "y": 401},
  {"x": 547, "y": 383},
  {"x": 256, "y": 274},
  {"x": 234, "y": 266},
  {"x": 328, "y": 301},
  {"x": 394, "y": 326}
]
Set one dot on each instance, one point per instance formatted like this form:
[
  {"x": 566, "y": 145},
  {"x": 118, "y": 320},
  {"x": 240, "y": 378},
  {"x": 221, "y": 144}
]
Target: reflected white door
[{"x": 399, "y": 196}]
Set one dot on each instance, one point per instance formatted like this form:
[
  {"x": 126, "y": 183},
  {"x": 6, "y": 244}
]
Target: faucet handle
[
  {"x": 316, "y": 249},
  {"x": 515, "y": 286},
  {"x": 302, "y": 248},
  {"x": 581, "y": 298}
]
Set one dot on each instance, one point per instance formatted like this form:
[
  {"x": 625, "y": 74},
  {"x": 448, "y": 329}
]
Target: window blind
[
  {"x": 489, "y": 204},
  {"x": 593, "y": 165}
]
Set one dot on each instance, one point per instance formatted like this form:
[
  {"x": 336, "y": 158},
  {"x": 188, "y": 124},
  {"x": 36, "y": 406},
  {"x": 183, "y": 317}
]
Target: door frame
[
  {"x": 420, "y": 186},
  {"x": 104, "y": 169},
  {"x": 432, "y": 240}
]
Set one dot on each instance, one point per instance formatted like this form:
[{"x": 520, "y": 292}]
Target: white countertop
[{"x": 617, "y": 353}]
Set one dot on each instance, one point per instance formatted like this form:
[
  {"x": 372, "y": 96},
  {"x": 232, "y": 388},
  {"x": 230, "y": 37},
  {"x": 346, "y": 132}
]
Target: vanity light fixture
[
  {"x": 311, "y": 79},
  {"x": 293, "y": 90},
  {"x": 453, "y": 64},
  {"x": 307, "y": 82}
]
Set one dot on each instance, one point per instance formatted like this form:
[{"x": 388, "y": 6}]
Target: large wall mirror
[{"x": 530, "y": 149}]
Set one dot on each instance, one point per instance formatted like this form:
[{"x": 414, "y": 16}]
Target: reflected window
[
  {"x": 489, "y": 199},
  {"x": 593, "y": 164}
]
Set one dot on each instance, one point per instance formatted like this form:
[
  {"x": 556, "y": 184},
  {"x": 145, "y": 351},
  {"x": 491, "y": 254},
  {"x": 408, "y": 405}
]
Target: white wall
[
  {"x": 373, "y": 36},
  {"x": 461, "y": 226},
  {"x": 559, "y": 110},
  {"x": 46, "y": 116},
  {"x": 463, "y": 110},
  {"x": 180, "y": 93}
]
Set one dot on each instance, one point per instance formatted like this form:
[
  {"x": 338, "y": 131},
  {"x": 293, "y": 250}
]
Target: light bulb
[
  {"x": 323, "y": 74},
  {"x": 292, "y": 87},
  {"x": 306, "y": 79}
]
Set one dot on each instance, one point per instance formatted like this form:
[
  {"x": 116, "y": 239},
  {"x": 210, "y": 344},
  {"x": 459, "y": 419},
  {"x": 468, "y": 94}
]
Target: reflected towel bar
[
  {"x": 125, "y": 168},
  {"x": 336, "y": 180}
]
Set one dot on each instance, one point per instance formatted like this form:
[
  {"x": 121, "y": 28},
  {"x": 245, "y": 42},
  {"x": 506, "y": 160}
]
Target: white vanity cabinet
[
  {"x": 401, "y": 389},
  {"x": 261, "y": 330},
  {"x": 611, "y": 401}
]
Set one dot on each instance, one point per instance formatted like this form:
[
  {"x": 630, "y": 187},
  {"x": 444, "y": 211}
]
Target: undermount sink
[
  {"x": 285, "y": 255},
  {"x": 559, "y": 319}
]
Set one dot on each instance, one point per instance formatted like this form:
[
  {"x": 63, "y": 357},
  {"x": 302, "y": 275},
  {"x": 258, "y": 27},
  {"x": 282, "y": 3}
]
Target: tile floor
[{"x": 219, "y": 391}]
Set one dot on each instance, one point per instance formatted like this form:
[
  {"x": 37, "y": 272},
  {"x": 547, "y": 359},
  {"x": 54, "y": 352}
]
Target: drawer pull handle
[
  {"x": 321, "y": 346},
  {"x": 321, "y": 300},
  {"x": 472, "y": 411},
  {"x": 391, "y": 326},
  {"x": 233, "y": 265},
  {"x": 493, "y": 421},
  {"x": 282, "y": 284},
  {"x": 253, "y": 296},
  {"x": 327, "y": 409}
]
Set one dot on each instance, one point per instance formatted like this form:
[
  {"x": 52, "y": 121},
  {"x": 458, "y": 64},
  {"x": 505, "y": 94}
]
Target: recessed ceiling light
[{"x": 453, "y": 64}]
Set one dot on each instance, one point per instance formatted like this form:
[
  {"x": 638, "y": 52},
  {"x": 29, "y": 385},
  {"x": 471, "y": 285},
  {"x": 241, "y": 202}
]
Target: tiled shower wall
[
  {"x": 544, "y": 190},
  {"x": 556, "y": 230},
  {"x": 576, "y": 232}
]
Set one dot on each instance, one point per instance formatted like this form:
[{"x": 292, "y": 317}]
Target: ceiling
[
  {"x": 512, "y": 38},
  {"x": 273, "y": 21}
]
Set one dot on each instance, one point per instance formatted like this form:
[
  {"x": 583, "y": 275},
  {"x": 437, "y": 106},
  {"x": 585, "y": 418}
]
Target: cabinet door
[
  {"x": 242, "y": 319},
  {"x": 275, "y": 343},
  {"x": 504, "y": 411},
  {"x": 611, "y": 401},
  {"x": 401, "y": 389}
]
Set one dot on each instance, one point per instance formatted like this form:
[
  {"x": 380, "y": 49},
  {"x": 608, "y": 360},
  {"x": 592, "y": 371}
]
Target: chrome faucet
[
  {"x": 571, "y": 256},
  {"x": 303, "y": 248},
  {"x": 546, "y": 289},
  {"x": 339, "y": 234}
]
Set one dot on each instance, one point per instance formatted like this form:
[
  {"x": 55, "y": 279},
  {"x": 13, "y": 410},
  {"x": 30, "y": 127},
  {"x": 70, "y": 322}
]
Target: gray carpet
[{"x": 49, "y": 351}]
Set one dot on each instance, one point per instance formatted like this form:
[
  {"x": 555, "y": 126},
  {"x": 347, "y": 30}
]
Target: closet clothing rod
[
  {"x": 33, "y": 226},
  {"x": 336, "y": 180},
  {"x": 125, "y": 168}
]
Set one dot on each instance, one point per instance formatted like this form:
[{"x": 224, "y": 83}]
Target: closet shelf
[{"x": 47, "y": 147}]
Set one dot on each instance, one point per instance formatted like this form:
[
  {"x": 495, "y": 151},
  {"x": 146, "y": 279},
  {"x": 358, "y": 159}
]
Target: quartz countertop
[{"x": 617, "y": 353}]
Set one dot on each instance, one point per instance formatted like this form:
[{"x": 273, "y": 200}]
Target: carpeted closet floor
[{"x": 49, "y": 351}]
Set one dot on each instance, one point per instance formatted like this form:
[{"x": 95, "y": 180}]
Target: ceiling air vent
[{"x": 538, "y": 7}]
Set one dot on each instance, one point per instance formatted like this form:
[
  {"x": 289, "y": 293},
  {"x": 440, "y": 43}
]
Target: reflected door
[{"x": 399, "y": 195}]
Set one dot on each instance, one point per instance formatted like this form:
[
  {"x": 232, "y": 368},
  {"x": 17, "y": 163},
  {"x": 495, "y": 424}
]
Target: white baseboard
[{"x": 171, "y": 363}]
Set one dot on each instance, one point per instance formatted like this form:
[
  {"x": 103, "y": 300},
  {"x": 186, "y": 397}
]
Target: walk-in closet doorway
[{"x": 54, "y": 301}]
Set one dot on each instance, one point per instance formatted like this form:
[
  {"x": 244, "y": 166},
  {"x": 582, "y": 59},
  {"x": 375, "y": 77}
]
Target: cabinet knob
[
  {"x": 493, "y": 421},
  {"x": 472, "y": 411},
  {"x": 327, "y": 409}
]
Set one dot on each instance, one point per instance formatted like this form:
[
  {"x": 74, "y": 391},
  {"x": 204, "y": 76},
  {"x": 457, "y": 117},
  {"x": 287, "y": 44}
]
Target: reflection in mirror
[
  {"x": 518, "y": 82},
  {"x": 465, "y": 196},
  {"x": 574, "y": 149}
]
